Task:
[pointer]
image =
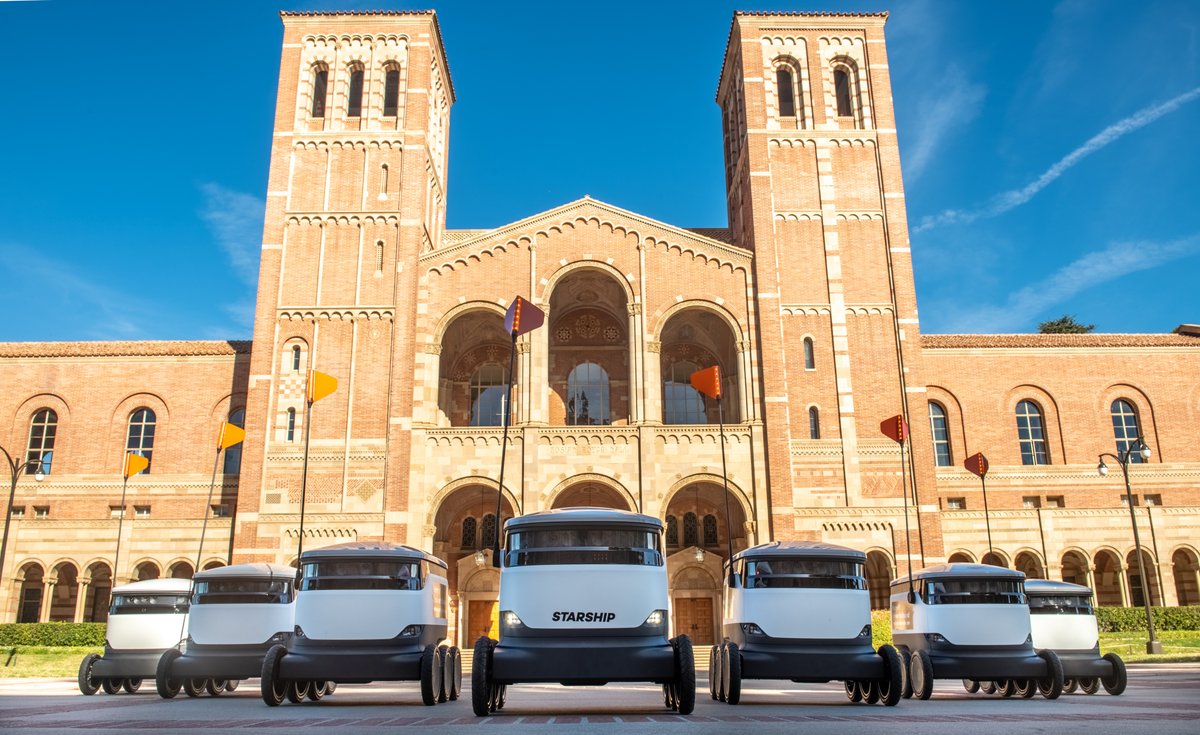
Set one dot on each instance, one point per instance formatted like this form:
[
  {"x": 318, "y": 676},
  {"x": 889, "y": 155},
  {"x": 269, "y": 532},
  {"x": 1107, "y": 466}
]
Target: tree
[{"x": 1065, "y": 324}]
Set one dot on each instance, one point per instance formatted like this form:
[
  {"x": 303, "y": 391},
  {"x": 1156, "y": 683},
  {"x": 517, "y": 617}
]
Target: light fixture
[
  {"x": 480, "y": 558},
  {"x": 1144, "y": 451},
  {"x": 1102, "y": 469},
  {"x": 699, "y": 555}
]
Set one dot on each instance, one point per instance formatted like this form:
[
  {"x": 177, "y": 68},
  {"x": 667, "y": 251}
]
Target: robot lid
[
  {"x": 974, "y": 571},
  {"x": 169, "y": 586},
  {"x": 1054, "y": 588},
  {"x": 369, "y": 550},
  {"x": 802, "y": 549},
  {"x": 247, "y": 571},
  {"x": 582, "y": 515}
]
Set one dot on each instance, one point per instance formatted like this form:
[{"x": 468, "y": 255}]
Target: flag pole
[
  {"x": 120, "y": 526},
  {"x": 304, "y": 475},
  {"x": 725, "y": 479}
]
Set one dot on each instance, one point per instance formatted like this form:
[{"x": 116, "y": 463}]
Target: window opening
[
  {"x": 1031, "y": 433},
  {"x": 354, "y": 106},
  {"x": 42, "y": 430},
  {"x": 841, "y": 85},
  {"x": 941, "y": 435},
  {"x": 320, "y": 84},
  {"x": 787, "y": 99},
  {"x": 391, "y": 92},
  {"x": 140, "y": 439},
  {"x": 587, "y": 396},
  {"x": 1125, "y": 429}
]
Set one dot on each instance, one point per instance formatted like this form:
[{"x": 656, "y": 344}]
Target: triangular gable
[{"x": 472, "y": 243}]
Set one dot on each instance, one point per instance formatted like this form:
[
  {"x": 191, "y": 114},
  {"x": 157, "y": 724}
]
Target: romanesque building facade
[{"x": 806, "y": 302}]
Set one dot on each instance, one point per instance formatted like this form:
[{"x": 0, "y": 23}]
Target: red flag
[
  {"x": 522, "y": 317},
  {"x": 895, "y": 429},
  {"x": 708, "y": 381},
  {"x": 977, "y": 464}
]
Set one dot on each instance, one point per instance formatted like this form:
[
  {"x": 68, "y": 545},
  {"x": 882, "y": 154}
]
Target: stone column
[
  {"x": 1169, "y": 596},
  {"x": 535, "y": 372},
  {"x": 48, "y": 585},
  {"x": 652, "y": 360},
  {"x": 1123, "y": 582},
  {"x": 81, "y": 591},
  {"x": 637, "y": 371}
]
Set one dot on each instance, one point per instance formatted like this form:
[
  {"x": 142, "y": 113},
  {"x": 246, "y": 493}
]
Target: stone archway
[
  {"x": 692, "y": 339},
  {"x": 591, "y": 494},
  {"x": 64, "y": 593},
  {"x": 1075, "y": 568},
  {"x": 995, "y": 559},
  {"x": 99, "y": 593},
  {"x": 473, "y": 370},
  {"x": 590, "y": 365},
  {"x": 695, "y": 589},
  {"x": 476, "y": 602},
  {"x": 695, "y": 516},
  {"x": 1186, "y": 571},
  {"x": 146, "y": 570},
  {"x": 1109, "y": 587},
  {"x": 1031, "y": 565},
  {"x": 961, "y": 557},
  {"x": 29, "y": 603},
  {"x": 1133, "y": 574},
  {"x": 180, "y": 570}
]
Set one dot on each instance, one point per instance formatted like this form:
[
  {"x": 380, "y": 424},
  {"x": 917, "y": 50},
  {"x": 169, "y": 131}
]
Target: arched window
[
  {"x": 488, "y": 395},
  {"x": 814, "y": 423},
  {"x": 587, "y": 395},
  {"x": 354, "y": 103},
  {"x": 841, "y": 88},
  {"x": 682, "y": 404},
  {"x": 468, "y": 532},
  {"x": 319, "y": 87},
  {"x": 487, "y": 539},
  {"x": 383, "y": 181},
  {"x": 941, "y": 435},
  {"x": 296, "y": 358},
  {"x": 379, "y": 256},
  {"x": 140, "y": 438},
  {"x": 391, "y": 92},
  {"x": 810, "y": 358},
  {"x": 42, "y": 429},
  {"x": 1032, "y": 433},
  {"x": 691, "y": 529},
  {"x": 1125, "y": 428},
  {"x": 787, "y": 97},
  {"x": 233, "y": 455},
  {"x": 710, "y": 530},
  {"x": 291, "y": 425},
  {"x": 672, "y": 531}
]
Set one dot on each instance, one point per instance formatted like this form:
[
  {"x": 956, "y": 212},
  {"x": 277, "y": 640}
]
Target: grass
[
  {"x": 42, "y": 661},
  {"x": 1178, "y": 645}
]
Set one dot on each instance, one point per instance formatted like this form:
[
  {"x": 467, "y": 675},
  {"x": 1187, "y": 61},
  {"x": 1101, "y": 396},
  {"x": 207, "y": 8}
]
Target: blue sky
[{"x": 1049, "y": 149}]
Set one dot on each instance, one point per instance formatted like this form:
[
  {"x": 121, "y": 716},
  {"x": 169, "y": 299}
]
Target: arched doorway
[
  {"x": 1108, "y": 583},
  {"x": 146, "y": 570},
  {"x": 29, "y": 604},
  {"x": 879, "y": 578},
  {"x": 589, "y": 350},
  {"x": 1075, "y": 568},
  {"x": 961, "y": 557},
  {"x": 180, "y": 570},
  {"x": 1031, "y": 565},
  {"x": 466, "y": 531},
  {"x": 694, "y": 339},
  {"x": 1186, "y": 571},
  {"x": 99, "y": 592},
  {"x": 1133, "y": 574},
  {"x": 996, "y": 559},
  {"x": 591, "y": 495},
  {"x": 64, "y": 594},
  {"x": 473, "y": 370},
  {"x": 696, "y": 602}
]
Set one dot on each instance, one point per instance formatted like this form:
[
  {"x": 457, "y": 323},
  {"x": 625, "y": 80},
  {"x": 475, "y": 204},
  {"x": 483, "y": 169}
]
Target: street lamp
[
  {"x": 16, "y": 468},
  {"x": 1124, "y": 457}
]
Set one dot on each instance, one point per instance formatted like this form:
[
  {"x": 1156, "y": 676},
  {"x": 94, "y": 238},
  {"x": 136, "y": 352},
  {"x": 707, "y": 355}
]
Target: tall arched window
[
  {"x": 941, "y": 435},
  {"x": 320, "y": 86},
  {"x": 1125, "y": 428},
  {"x": 841, "y": 88},
  {"x": 587, "y": 395},
  {"x": 140, "y": 438},
  {"x": 814, "y": 423},
  {"x": 710, "y": 530},
  {"x": 691, "y": 529},
  {"x": 42, "y": 429},
  {"x": 682, "y": 404},
  {"x": 672, "y": 531},
  {"x": 1032, "y": 433},
  {"x": 391, "y": 92},
  {"x": 291, "y": 424},
  {"x": 488, "y": 395},
  {"x": 810, "y": 357},
  {"x": 787, "y": 97},
  {"x": 296, "y": 358},
  {"x": 468, "y": 532},
  {"x": 487, "y": 537},
  {"x": 354, "y": 103},
  {"x": 233, "y": 455}
]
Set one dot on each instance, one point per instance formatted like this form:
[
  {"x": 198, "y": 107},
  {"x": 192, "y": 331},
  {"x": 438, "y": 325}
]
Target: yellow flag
[
  {"x": 320, "y": 385},
  {"x": 230, "y": 435},
  {"x": 134, "y": 463}
]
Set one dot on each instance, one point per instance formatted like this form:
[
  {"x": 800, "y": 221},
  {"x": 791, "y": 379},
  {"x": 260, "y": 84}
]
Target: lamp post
[
  {"x": 1153, "y": 645},
  {"x": 16, "y": 468}
]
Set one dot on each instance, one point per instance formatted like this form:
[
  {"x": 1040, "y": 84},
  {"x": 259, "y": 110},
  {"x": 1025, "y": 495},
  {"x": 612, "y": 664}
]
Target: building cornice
[{"x": 191, "y": 348}]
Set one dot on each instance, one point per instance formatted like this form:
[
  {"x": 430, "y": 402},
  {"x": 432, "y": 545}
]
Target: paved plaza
[{"x": 1161, "y": 699}]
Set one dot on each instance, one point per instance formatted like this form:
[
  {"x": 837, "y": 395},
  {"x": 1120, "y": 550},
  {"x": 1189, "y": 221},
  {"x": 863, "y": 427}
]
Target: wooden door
[
  {"x": 483, "y": 619},
  {"x": 694, "y": 616}
]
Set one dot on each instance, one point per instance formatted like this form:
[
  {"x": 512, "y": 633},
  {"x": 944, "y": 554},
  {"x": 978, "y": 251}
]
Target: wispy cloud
[
  {"x": 1093, "y": 269},
  {"x": 236, "y": 221},
  {"x": 948, "y": 103},
  {"x": 1014, "y": 198}
]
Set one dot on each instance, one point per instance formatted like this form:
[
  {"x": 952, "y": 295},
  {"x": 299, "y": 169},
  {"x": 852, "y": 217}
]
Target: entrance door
[
  {"x": 483, "y": 619},
  {"x": 694, "y": 616}
]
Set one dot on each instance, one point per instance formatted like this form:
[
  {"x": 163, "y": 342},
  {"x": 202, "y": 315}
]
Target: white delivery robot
[
  {"x": 145, "y": 619},
  {"x": 800, "y": 611},
  {"x": 583, "y": 602},
  {"x": 1063, "y": 621},
  {"x": 970, "y": 621},
  {"x": 237, "y": 614},
  {"x": 365, "y": 612}
]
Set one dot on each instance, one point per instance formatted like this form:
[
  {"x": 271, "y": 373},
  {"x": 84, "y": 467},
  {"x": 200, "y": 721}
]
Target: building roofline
[
  {"x": 1033, "y": 341},
  {"x": 181, "y": 348}
]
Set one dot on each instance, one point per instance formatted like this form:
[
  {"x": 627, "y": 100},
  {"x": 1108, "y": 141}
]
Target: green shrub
[
  {"x": 881, "y": 628},
  {"x": 1132, "y": 619},
  {"x": 52, "y": 634}
]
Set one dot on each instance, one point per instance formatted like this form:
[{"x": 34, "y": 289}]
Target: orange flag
[
  {"x": 230, "y": 435},
  {"x": 708, "y": 381},
  {"x": 320, "y": 385},
  {"x": 134, "y": 463}
]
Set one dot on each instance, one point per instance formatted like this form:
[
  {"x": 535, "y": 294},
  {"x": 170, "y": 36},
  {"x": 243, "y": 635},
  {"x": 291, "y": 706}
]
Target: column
[
  {"x": 535, "y": 371},
  {"x": 81, "y": 591},
  {"x": 1170, "y": 597},
  {"x": 1123, "y": 582},
  {"x": 637, "y": 381},
  {"x": 652, "y": 360},
  {"x": 48, "y": 585}
]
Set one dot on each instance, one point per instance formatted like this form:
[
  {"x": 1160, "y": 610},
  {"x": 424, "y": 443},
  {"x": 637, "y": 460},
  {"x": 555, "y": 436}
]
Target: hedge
[
  {"x": 1133, "y": 619},
  {"x": 52, "y": 634}
]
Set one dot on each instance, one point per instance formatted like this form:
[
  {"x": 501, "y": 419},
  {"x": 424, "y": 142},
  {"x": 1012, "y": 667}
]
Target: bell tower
[
  {"x": 814, "y": 189},
  {"x": 356, "y": 192}
]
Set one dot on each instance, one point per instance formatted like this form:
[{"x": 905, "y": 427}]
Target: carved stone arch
[
  {"x": 694, "y": 577},
  {"x": 661, "y": 318},
  {"x": 550, "y": 497},
  {"x": 458, "y": 310},
  {"x": 449, "y": 488},
  {"x": 961, "y": 556},
  {"x": 705, "y": 477},
  {"x": 547, "y": 287}
]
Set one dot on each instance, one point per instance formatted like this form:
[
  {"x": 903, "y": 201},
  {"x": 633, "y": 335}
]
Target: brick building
[{"x": 806, "y": 302}]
